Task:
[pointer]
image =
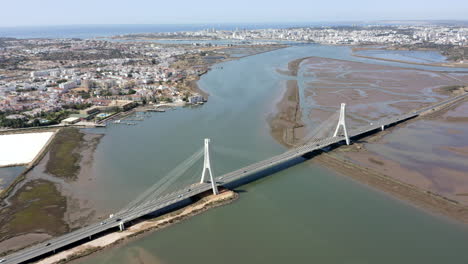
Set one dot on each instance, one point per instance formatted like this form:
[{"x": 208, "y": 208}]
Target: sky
[{"x": 78, "y": 12}]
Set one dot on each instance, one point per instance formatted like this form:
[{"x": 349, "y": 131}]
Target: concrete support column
[
  {"x": 121, "y": 226},
  {"x": 382, "y": 127},
  {"x": 342, "y": 123},
  {"x": 207, "y": 167}
]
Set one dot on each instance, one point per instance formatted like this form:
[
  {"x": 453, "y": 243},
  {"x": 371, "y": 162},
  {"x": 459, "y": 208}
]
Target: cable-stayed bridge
[{"x": 156, "y": 199}]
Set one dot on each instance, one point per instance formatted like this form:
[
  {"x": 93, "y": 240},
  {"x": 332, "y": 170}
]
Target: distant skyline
[{"x": 55, "y": 12}]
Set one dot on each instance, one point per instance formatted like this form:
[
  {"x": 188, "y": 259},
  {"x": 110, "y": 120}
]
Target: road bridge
[{"x": 150, "y": 206}]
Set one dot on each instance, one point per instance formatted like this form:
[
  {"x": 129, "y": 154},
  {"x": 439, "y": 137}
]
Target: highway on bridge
[{"x": 151, "y": 206}]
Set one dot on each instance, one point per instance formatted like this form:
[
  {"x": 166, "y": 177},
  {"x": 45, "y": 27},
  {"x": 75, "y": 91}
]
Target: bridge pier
[
  {"x": 342, "y": 123},
  {"x": 382, "y": 127},
  {"x": 121, "y": 226},
  {"x": 207, "y": 166}
]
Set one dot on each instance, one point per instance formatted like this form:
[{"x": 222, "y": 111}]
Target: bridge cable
[
  {"x": 322, "y": 130},
  {"x": 163, "y": 182}
]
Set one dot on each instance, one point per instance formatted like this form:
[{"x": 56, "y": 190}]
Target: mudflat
[
  {"x": 48, "y": 201},
  {"x": 422, "y": 161},
  {"x": 285, "y": 123}
]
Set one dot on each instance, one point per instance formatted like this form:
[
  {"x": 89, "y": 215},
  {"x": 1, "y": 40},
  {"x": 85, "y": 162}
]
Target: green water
[{"x": 305, "y": 214}]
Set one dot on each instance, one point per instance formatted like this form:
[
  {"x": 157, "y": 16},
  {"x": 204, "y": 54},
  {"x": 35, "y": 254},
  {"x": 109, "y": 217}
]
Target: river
[{"x": 305, "y": 214}]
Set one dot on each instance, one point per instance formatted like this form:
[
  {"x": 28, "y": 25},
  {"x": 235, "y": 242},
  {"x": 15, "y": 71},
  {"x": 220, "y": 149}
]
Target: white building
[
  {"x": 68, "y": 85},
  {"x": 195, "y": 99}
]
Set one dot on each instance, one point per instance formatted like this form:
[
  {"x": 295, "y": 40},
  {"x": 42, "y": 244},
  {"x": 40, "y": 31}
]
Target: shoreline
[
  {"x": 52, "y": 195},
  {"x": 28, "y": 166},
  {"x": 428, "y": 201},
  {"x": 448, "y": 64},
  {"x": 287, "y": 121},
  {"x": 406, "y": 192},
  {"x": 65, "y": 189},
  {"x": 141, "y": 228}
]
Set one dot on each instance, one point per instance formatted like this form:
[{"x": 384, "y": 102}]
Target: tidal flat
[
  {"x": 422, "y": 161},
  {"x": 49, "y": 201}
]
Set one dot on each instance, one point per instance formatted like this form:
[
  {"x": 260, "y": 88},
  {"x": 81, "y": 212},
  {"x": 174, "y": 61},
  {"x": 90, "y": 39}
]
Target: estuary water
[
  {"x": 305, "y": 214},
  {"x": 415, "y": 56}
]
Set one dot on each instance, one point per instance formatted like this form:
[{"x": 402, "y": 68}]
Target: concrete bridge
[{"x": 228, "y": 180}]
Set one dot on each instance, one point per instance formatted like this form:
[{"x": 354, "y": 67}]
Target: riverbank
[
  {"x": 448, "y": 64},
  {"x": 375, "y": 170},
  {"x": 45, "y": 200},
  {"x": 143, "y": 227},
  {"x": 432, "y": 202},
  {"x": 286, "y": 125},
  {"x": 362, "y": 161},
  {"x": 64, "y": 179},
  {"x": 293, "y": 67},
  {"x": 6, "y": 192},
  {"x": 216, "y": 55}
]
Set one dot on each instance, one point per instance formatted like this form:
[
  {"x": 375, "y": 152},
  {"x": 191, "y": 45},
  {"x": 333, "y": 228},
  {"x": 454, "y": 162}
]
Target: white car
[{"x": 2, "y": 260}]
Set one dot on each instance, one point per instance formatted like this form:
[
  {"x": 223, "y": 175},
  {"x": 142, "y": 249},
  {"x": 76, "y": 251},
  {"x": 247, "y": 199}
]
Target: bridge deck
[{"x": 193, "y": 190}]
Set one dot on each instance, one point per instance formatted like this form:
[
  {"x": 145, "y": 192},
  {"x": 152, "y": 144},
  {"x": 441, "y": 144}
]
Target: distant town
[
  {"x": 336, "y": 35},
  {"x": 43, "y": 81},
  {"x": 51, "y": 81},
  {"x": 450, "y": 40}
]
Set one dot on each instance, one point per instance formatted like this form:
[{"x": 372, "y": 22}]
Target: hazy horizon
[
  {"x": 284, "y": 23},
  {"x": 144, "y": 12}
]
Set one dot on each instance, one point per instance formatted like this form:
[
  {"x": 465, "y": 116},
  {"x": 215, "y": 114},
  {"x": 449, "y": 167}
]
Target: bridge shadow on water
[
  {"x": 293, "y": 162},
  {"x": 270, "y": 171}
]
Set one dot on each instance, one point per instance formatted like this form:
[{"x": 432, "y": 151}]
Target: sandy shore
[
  {"x": 293, "y": 67},
  {"x": 152, "y": 225},
  {"x": 285, "y": 124}
]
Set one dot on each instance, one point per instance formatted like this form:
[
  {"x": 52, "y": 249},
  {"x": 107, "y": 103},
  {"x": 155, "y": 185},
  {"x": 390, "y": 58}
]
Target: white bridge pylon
[
  {"x": 207, "y": 167},
  {"x": 342, "y": 123}
]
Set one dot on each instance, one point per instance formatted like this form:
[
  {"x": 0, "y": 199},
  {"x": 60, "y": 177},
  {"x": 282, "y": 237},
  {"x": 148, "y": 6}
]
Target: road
[{"x": 193, "y": 190}]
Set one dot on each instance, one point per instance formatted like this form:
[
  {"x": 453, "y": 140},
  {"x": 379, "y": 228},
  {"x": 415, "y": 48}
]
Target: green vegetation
[
  {"x": 130, "y": 106},
  {"x": 38, "y": 206},
  {"x": 452, "y": 52},
  {"x": 378, "y": 162},
  {"x": 52, "y": 117},
  {"x": 450, "y": 89},
  {"x": 64, "y": 157},
  {"x": 166, "y": 99},
  {"x": 77, "y": 106}
]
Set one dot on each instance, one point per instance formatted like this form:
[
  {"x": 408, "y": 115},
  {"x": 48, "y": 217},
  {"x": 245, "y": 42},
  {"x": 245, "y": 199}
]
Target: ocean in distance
[{"x": 92, "y": 31}]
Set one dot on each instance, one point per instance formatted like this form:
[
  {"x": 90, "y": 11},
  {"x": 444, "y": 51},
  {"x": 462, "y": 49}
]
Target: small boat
[{"x": 156, "y": 110}]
